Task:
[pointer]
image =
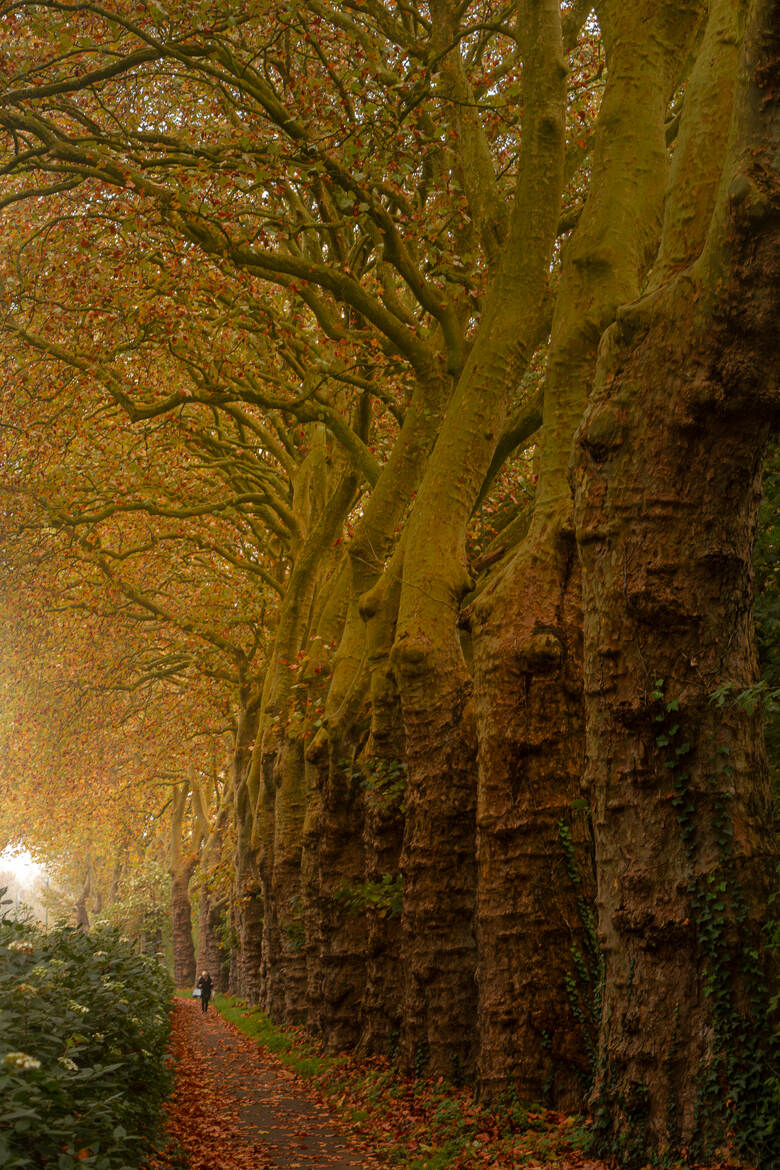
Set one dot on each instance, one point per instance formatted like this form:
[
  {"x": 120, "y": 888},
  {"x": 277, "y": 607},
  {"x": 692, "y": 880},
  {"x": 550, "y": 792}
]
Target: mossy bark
[
  {"x": 246, "y": 907},
  {"x": 538, "y": 969},
  {"x": 277, "y": 783},
  {"x": 181, "y": 917},
  {"x": 438, "y": 859},
  {"x": 336, "y": 931},
  {"x": 210, "y": 956},
  {"x": 183, "y": 859},
  {"x": 667, "y": 473},
  {"x": 384, "y": 757},
  {"x": 212, "y": 951}
]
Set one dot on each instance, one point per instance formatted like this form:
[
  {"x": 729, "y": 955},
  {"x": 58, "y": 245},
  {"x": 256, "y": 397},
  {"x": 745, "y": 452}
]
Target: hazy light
[{"x": 20, "y": 863}]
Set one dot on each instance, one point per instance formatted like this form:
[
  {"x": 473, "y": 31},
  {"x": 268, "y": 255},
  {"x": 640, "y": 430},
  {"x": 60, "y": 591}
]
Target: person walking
[{"x": 205, "y": 985}]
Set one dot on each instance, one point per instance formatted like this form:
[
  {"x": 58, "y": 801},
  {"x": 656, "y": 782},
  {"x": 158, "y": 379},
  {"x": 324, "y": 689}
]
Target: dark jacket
[{"x": 205, "y": 984}]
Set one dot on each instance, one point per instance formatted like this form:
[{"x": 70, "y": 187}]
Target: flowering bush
[{"x": 84, "y": 1025}]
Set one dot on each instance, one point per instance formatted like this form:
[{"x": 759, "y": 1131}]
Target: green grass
[
  {"x": 413, "y": 1124},
  {"x": 292, "y": 1050}
]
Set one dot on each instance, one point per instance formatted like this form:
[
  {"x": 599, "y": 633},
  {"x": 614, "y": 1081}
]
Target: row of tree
[{"x": 386, "y": 391}]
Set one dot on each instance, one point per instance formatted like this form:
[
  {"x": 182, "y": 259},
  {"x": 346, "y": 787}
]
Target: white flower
[
  {"x": 26, "y": 989},
  {"x": 101, "y": 954},
  {"x": 134, "y": 1020},
  {"x": 98, "y": 1036},
  {"x": 56, "y": 962},
  {"x": 66, "y": 1062},
  {"x": 77, "y": 1007},
  {"x": 21, "y": 1060},
  {"x": 40, "y": 972},
  {"x": 27, "y": 948},
  {"x": 158, "y": 1020}
]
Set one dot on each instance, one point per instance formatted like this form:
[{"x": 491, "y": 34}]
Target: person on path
[{"x": 205, "y": 985}]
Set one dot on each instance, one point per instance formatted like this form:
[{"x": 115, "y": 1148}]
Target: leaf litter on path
[{"x": 235, "y": 1108}]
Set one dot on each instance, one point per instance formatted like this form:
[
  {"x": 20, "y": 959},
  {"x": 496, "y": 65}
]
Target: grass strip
[
  {"x": 291, "y": 1045},
  {"x": 412, "y": 1123}
]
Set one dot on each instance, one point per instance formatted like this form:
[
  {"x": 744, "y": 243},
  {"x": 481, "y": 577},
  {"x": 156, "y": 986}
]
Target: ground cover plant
[{"x": 84, "y": 1024}]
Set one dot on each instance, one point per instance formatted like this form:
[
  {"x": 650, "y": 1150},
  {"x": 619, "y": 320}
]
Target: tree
[
  {"x": 364, "y": 254},
  {"x": 667, "y": 492}
]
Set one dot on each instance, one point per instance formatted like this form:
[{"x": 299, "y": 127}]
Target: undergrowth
[{"x": 84, "y": 1027}]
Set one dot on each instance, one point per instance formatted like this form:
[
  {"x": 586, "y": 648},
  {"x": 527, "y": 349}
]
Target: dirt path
[{"x": 248, "y": 1104}]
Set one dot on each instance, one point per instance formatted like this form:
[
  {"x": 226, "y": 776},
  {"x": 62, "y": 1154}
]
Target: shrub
[{"x": 84, "y": 1025}]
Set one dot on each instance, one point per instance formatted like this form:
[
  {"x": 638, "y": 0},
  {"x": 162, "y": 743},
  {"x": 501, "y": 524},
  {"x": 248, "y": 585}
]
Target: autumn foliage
[{"x": 384, "y": 400}]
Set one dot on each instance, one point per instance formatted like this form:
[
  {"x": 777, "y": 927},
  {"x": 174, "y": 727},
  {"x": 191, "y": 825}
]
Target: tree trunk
[
  {"x": 181, "y": 916},
  {"x": 438, "y": 864},
  {"x": 341, "y": 872},
  {"x": 246, "y": 911},
  {"x": 183, "y": 860},
  {"x": 287, "y": 999},
  {"x": 384, "y": 759},
  {"x": 438, "y": 860},
  {"x": 539, "y": 968},
  {"x": 82, "y": 914},
  {"x": 211, "y": 955},
  {"x": 251, "y": 925},
  {"x": 539, "y": 971},
  {"x": 254, "y": 908},
  {"x": 337, "y": 948},
  {"x": 667, "y": 490},
  {"x": 277, "y": 783}
]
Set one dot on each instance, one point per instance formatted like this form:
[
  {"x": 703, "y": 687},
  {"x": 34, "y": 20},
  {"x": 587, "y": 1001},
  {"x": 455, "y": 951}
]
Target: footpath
[{"x": 238, "y": 1108}]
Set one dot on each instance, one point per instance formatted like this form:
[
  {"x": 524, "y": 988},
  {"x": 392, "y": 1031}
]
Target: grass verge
[{"x": 417, "y": 1124}]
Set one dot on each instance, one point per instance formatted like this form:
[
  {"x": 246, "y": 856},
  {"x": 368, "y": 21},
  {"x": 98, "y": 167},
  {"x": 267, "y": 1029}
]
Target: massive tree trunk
[
  {"x": 438, "y": 861},
  {"x": 181, "y": 925},
  {"x": 246, "y": 908},
  {"x": 277, "y": 781},
  {"x": 332, "y": 860},
  {"x": 183, "y": 860},
  {"x": 340, "y": 873},
  {"x": 335, "y": 862},
  {"x": 539, "y": 970},
  {"x": 384, "y": 761},
  {"x": 667, "y": 489},
  {"x": 212, "y": 955}
]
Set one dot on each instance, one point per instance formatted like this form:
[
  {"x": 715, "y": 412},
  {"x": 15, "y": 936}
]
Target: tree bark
[
  {"x": 211, "y": 956},
  {"x": 276, "y": 783},
  {"x": 183, "y": 860},
  {"x": 246, "y": 911},
  {"x": 539, "y": 970},
  {"x": 341, "y": 870},
  {"x": 181, "y": 917},
  {"x": 384, "y": 758},
  {"x": 334, "y": 858},
  {"x": 667, "y": 477},
  {"x": 438, "y": 860}
]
